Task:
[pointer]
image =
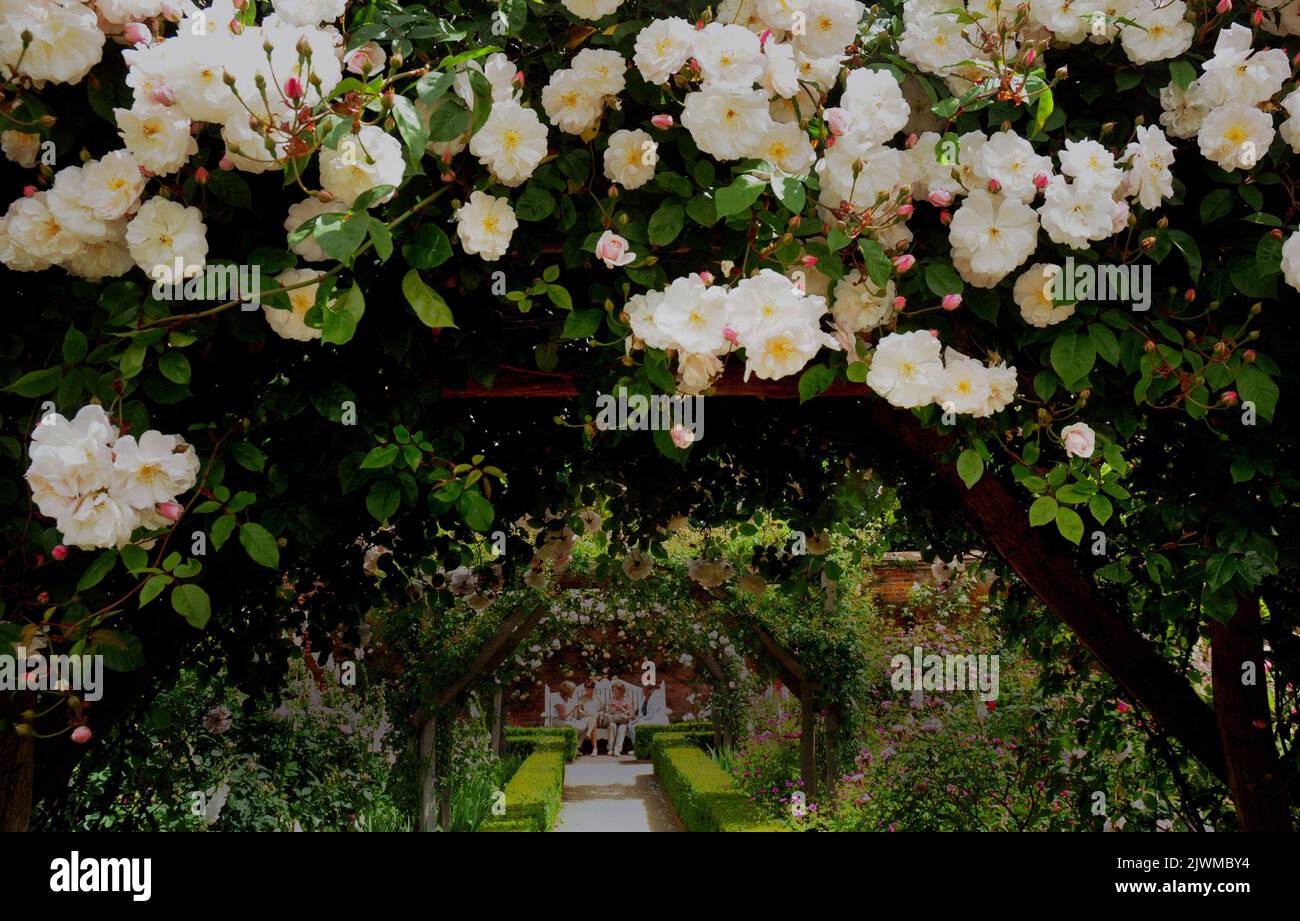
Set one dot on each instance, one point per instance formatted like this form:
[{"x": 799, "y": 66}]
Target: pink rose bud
[
  {"x": 1041, "y": 180},
  {"x": 762, "y": 39},
  {"x": 613, "y": 250},
  {"x": 905, "y": 210},
  {"x": 994, "y": 186},
  {"x": 201, "y": 176},
  {"x": 729, "y": 333},
  {"x": 1229, "y": 397},
  {"x": 170, "y": 510},
  {"x": 706, "y": 277},
  {"x": 912, "y": 140},
  {"x": 226, "y": 163},
  {"x": 940, "y": 198},
  {"x": 162, "y": 95},
  {"x": 1121, "y": 706},
  {"x": 945, "y": 217},
  {"x": 236, "y": 27},
  {"x": 951, "y": 301},
  {"x": 294, "y": 89},
  {"x": 900, "y": 302},
  {"x": 60, "y": 553},
  {"x": 137, "y": 33},
  {"x": 365, "y": 59},
  {"x": 1030, "y": 57},
  {"x": 934, "y": 333},
  {"x": 1256, "y": 17},
  {"x": 29, "y": 191},
  {"x": 81, "y": 735},
  {"x": 518, "y": 79},
  {"x": 837, "y": 120},
  {"x": 904, "y": 262},
  {"x": 682, "y": 436},
  {"x": 808, "y": 261},
  {"x": 1189, "y": 295},
  {"x": 662, "y": 122},
  {"x": 1224, "y": 6}
]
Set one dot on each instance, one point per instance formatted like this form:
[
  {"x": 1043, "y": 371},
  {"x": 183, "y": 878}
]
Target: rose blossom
[
  {"x": 1079, "y": 439},
  {"x": 613, "y": 250}
]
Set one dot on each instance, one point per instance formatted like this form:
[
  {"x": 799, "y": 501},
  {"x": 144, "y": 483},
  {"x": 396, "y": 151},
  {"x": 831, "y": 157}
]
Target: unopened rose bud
[
  {"x": 905, "y": 210},
  {"x": 762, "y": 39},
  {"x": 60, "y": 552},
  {"x": 1224, "y": 6},
  {"x": 934, "y": 333},
  {"x": 900, "y": 302},
  {"x": 1030, "y": 57},
  {"x": 137, "y": 33},
  {"x": 170, "y": 510},
  {"x": 1149, "y": 346},
  {"x": 1147, "y": 243},
  {"x": 904, "y": 262},
  {"x": 837, "y": 120},
  {"x": 1041, "y": 180},
  {"x": 945, "y": 217},
  {"x": 1257, "y": 17},
  {"x": 951, "y": 301},
  {"x": 293, "y": 88},
  {"x": 808, "y": 261},
  {"x": 940, "y": 198},
  {"x": 706, "y": 277},
  {"x": 682, "y": 436},
  {"x": 29, "y": 191},
  {"x": 81, "y": 735},
  {"x": 1276, "y": 233},
  {"x": 663, "y": 122},
  {"x": 994, "y": 186},
  {"x": 201, "y": 176},
  {"x": 1229, "y": 397},
  {"x": 1248, "y": 356},
  {"x": 730, "y": 334},
  {"x": 225, "y": 163}
]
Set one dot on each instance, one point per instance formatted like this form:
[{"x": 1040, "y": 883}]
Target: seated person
[
  {"x": 620, "y": 714},
  {"x": 590, "y": 710},
  {"x": 566, "y": 711},
  {"x": 650, "y": 713}
]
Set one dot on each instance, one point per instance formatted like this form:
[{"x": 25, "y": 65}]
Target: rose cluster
[{"x": 100, "y": 486}]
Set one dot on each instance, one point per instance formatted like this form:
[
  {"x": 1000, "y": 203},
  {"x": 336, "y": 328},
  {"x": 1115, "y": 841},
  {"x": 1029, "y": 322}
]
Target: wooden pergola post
[{"x": 808, "y": 744}]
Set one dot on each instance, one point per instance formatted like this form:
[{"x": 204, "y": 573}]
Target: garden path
[{"x": 614, "y": 794}]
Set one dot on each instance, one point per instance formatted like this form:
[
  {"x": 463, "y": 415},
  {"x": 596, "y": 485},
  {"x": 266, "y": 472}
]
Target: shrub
[
  {"x": 533, "y": 794},
  {"x": 527, "y": 741},
  {"x": 704, "y": 795},
  {"x": 645, "y": 735}
]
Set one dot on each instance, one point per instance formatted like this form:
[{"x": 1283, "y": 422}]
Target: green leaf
[
  {"x": 559, "y": 296},
  {"x": 536, "y": 204},
  {"x": 879, "y": 267},
  {"x": 1073, "y": 356},
  {"x": 970, "y": 467},
  {"x": 1069, "y": 524},
  {"x": 74, "y": 346},
  {"x": 582, "y": 324},
  {"x": 382, "y": 499},
  {"x": 411, "y": 127},
  {"x": 380, "y": 457},
  {"x": 191, "y": 602},
  {"x": 738, "y": 196},
  {"x": 941, "y": 278},
  {"x": 175, "y": 367},
  {"x": 153, "y": 587},
  {"x": 427, "y": 303},
  {"x": 260, "y": 545},
  {"x": 814, "y": 381},
  {"x": 248, "y": 456},
  {"x": 36, "y": 383},
  {"x": 1215, "y": 205},
  {"x": 222, "y": 528},
  {"x": 342, "y": 318},
  {"x": 97, "y": 570},
  {"x": 1101, "y": 508},
  {"x": 476, "y": 510},
  {"x": 340, "y": 236},
  {"x": 666, "y": 223},
  {"x": 1219, "y": 570},
  {"x": 1182, "y": 73},
  {"x": 428, "y": 247},
  {"x": 1254, "y": 386},
  {"x": 1042, "y": 511},
  {"x": 122, "y": 652}
]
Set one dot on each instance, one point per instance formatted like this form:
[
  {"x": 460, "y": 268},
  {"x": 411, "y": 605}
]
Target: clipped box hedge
[
  {"x": 547, "y": 738},
  {"x": 533, "y": 794},
  {"x": 704, "y": 795},
  {"x": 645, "y": 735}
]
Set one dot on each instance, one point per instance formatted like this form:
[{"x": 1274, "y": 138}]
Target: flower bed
[
  {"x": 700, "y": 730},
  {"x": 703, "y": 794}
]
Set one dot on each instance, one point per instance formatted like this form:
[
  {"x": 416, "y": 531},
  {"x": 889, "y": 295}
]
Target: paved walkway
[{"x": 613, "y": 794}]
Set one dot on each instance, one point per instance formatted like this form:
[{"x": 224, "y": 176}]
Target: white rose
[
  {"x": 21, "y": 147},
  {"x": 362, "y": 162},
  {"x": 511, "y": 143},
  {"x": 155, "y": 469},
  {"x": 663, "y": 47},
  {"x": 1291, "y": 261},
  {"x": 159, "y": 136},
  {"x": 626, "y": 158},
  {"x": 906, "y": 369},
  {"x": 96, "y": 521},
  {"x": 485, "y": 225},
  {"x": 163, "y": 231},
  {"x": 613, "y": 250},
  {"x": 1079, "y": 439},
  {"x": 291, "y": 323}
]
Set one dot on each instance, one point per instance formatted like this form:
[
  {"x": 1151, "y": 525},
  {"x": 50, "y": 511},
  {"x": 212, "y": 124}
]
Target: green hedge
[
  {"x": 645, "y": 735},
  {"x": 533, "y": 794},
  {"x": 704, "y": 795},
  {"x": 559, "y": 738}
]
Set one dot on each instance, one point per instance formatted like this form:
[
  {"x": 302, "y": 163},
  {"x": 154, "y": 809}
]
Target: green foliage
[
  {"x": 532, "y": 797},
  {"x": 696, "y": 731},
  {"x": 703, "y": 795}
]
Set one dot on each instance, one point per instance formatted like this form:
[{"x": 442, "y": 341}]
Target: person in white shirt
[
  {"x": 650, "y": 713},
  {"x": 590, "y": 711},
  {"x": 621, "y": 713},
  {"x": 567, "y": 711}
]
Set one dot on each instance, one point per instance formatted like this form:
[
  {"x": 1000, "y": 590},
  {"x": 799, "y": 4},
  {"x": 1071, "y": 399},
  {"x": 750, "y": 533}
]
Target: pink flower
[
  {"x": 137, "y": 33},
  {"x": 808, "y": 261},
  {"x": 905, "y": 210},
  {"x": 994, "y": 186},
  {"x": 82, "y": 734},
  {"x": 170, "y": 510},
  {"x": 294, "y": 89},
  {"x": 904, "y": 262},
  {"x": 682, "y": 436},
  {"x": 729, "y": 333},
  {"x": 663, "y": 122},
  {"x": 201, "y": 175},
  {"x": 612, "y": 250},
  {"x": 1224, "y": 6},
  {"x": 900, "y": 302},
  {"x": 940, "y": 198},
  {"x": 365, "y": 59},
  {"x": 60, "y": 552},
  {"x": 951, "y": 301},
  {"x": 1079, "y": 439},
  {"x": 837, "y": 120}
]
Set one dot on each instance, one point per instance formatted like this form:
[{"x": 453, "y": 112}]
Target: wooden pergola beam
[{"x": 514, "y": 383}]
